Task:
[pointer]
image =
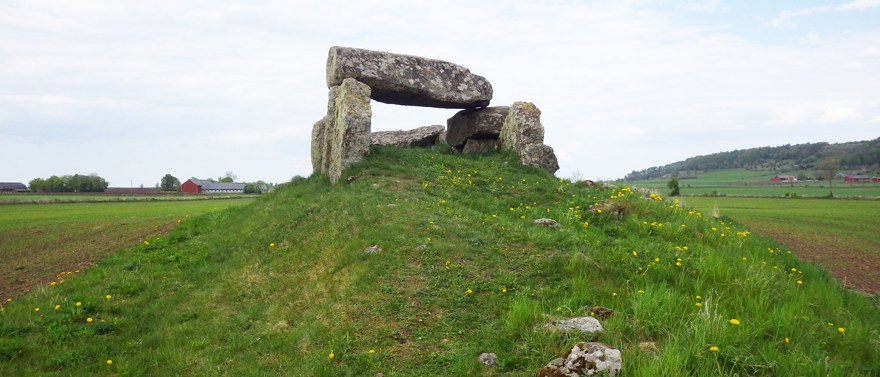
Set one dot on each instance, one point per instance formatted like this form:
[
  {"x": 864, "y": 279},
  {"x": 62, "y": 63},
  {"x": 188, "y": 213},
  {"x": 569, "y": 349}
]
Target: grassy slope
[{"x": 279, "y": 286}]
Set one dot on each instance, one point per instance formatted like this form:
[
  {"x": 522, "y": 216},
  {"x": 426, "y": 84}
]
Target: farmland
[
  {"x": 743, "y": 182},
  {"x": 39, "y": 242},
  {"x": 842, "y": 235}
]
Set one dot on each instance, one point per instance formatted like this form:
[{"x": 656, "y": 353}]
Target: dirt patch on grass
[
  {"x": 853, "y": 268},
  {"x": 56, "y": 257}
]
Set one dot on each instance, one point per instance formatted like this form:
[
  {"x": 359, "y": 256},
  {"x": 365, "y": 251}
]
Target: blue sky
[{"x": 134, "y": 90}]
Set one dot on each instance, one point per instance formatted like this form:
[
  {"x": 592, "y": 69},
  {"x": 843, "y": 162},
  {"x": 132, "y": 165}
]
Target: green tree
[
  {"x": 673, "y": 185},
  {"x": 828, "y": 168},
  {"x": 229, "y": 178},
  {"x": 170, "y": 183}
]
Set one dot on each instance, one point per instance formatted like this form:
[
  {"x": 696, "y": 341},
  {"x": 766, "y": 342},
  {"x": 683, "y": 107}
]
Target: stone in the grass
[
  {"x": 372, "y": 249},
  {"x": 550, "y": 223},
  {"x": 488, "y": 359},
  {"x": 585, "y": 359},
  {"x": 582, "y": 324}
]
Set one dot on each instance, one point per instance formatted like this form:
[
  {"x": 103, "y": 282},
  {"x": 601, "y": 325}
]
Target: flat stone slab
[
  {"x": 581, "y": 324},
  {"x": 419, "y": 137},
  {"x": 409, "y": 80},
  {"x": 482, "y": 123}
]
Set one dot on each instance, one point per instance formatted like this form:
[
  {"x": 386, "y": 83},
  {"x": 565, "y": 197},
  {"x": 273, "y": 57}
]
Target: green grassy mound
[{"x": 283, "y": 286}]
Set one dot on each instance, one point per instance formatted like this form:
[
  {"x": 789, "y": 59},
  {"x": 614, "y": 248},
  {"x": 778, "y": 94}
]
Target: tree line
[
  {"x": 69, "y": 183},
  {"x": 852, "y": 156}
]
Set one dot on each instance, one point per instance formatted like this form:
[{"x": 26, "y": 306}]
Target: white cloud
[
  {"x": 858, "y": 5},
  {"x": 785, "y": 18},
  {"x": 840, "y": 114}
]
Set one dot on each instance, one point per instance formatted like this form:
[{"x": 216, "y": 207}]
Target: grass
[
  {"x": 38, "y": 242},
  {"x": 283, "y": 286},
  {"x": 34, "y": 198}
]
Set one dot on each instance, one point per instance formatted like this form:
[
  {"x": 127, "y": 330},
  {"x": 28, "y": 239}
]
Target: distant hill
[{"x": 860, "y": 156}]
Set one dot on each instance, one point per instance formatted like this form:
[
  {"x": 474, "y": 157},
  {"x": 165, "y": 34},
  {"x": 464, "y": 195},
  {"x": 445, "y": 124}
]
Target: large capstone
[
  {"x": 409, "y": 80},
  {"x": 342, "y": 137},
  {"x": 482, "y": 123},
  {"x": 419, "y": 137}
]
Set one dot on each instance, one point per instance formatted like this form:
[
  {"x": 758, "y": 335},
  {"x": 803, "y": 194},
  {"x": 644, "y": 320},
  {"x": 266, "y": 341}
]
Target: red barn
[
  {"x": 856, "y": 178},
  {"x": 197, "y": 186}
]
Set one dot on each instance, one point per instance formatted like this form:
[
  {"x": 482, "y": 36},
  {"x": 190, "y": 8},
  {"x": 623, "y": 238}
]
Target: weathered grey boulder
[
  {"x": 488, "y": 359},
  {"x": 540, "y": 156},
  {"x": 585, "y": 359},
  {"x": 523, "y": 133},
  {"x": 479, "y": 146},
  {"x": 482, "y": 123},
  {"x": 579, "y": 324},
  {"x": 419, "y": 137},
  {"x": 342, "y": 137},
  {"x": 522, "y": 127},
  {"x": 409, "y": 80},
  {"x": 320, "y": 141},
  {"x": 550, "y": 223}
]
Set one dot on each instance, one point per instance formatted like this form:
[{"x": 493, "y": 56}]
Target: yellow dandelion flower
[
  {"x": 57, "y": 306},
  {"x": 469, "y": 292},
  {"x": 713, "y": 348},
  {"x": 734, "y": 321},
  {"x": 89, "y": 320},
  {"x": 786, "y": 340},
  {"x": 109, "y": 362},
  {"x": 503, "y": 290},
  {"x": 272, "y": 244},
  {"x": 841, "y": 330},
  {"x": 656, "y": 259},
  {"x": 699, "y": 304},
  {"x": 331, "y": 355},
  {"x": 372, "y": 351},
  {"x": 641, "y": 291},
  {"x": 79, "y": 303},
  {"x": 800, "y": 282},
  {"x": 635, "y": 253},
  {"x": 698, "y": 297},
  {"x": 8, "y": 299},
  {"x": 36, "y": 309},
  {"x": 678, "y": 264},
  {"x": 830, "y": 324},
  {"x": 108, "y": 297}
]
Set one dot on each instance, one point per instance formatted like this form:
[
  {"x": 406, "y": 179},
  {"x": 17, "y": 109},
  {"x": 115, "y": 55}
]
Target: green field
[
  {"x": 429, "y": 259},
  {"x": 28, "y": 198},
  {"x": 742, "y": 182},
  {"x": 842, "y": 235},
  {"x": 39, "y": 241}
]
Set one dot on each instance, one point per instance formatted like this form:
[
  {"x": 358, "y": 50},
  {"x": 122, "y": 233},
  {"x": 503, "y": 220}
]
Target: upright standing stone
[
  {"x": 522, "y": 127},
  {"x": 523, "y": 133},
  {"x": 482, "y": 123},
  {"x": 350, "y": 135},
  {"x": 409, "y": 80},
  {"x": 320, "y": 141}
]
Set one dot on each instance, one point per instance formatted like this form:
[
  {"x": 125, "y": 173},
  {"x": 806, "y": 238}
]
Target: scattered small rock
[
  {"x": 372, "y": 249},
  {"x": 352, "y": 178},
  {"x": 550, "y": 223},
  {"x": 600, "y": 312},
  {"x": 584, "y": 359},
  {"x": 391, "y": 205},
  {"x": 582, "y": 324},
  {"x": 648, "y": 346},
  {"x": 421, "y": 246},
  {"x": 488, "y": 359}
]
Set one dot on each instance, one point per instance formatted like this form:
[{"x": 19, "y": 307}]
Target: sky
[{"x": 134, "y": 90}]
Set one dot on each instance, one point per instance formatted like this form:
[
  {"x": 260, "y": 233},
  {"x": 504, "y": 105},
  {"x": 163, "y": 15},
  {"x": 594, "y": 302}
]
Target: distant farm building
[
  {"x": 13, "y": 187},
  {"x": 197, "y": 186},
  {"x": 856, "y": 178},
  {"x": 875, "y": 179},
  {"x": 784, "y": 178}
]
